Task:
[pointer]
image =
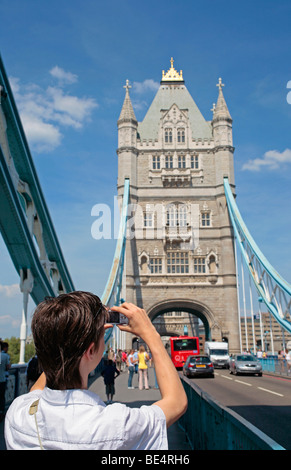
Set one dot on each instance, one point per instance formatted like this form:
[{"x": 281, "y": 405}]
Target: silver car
[{"x": 245, "y": 364}]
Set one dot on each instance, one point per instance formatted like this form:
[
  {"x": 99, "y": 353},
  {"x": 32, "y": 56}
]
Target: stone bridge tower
[{"x": 180, "y": 247}]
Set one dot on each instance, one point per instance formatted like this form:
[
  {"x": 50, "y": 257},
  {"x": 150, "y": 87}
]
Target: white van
[{"x": 218, "y": 353}]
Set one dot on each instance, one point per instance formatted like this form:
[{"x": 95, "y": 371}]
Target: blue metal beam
[
  {"x": 24, "y": 166},
  {"x": 13, "y": 226}
]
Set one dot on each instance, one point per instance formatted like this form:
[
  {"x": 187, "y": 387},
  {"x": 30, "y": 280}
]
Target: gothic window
[
  {"x": 171, "y": 216},
  {"x": 148, "y": 219},
  {"x": 194, "y": 162},
  {"x": 205, "y": 219},
  {"x": 156, "y": 162},
  {"x": 181, "y": 161},
  {"x": 169, "y": 161},
  {"x": 199, "y": 265},
  {"x": 183, "y": 216},
  {"x": 156, "y": 265},
  {"x": 181, "y": 136},
  {"x": 178, "y": 262},
  {"x": 168, "y": 135},
  {"x": 177, "y": 215}
]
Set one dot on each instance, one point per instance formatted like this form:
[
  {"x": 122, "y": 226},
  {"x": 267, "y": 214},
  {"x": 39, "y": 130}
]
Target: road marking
[
  {"x": 245, "y": 383},
  {"x": 226, "y": 377},
  {"x": 270, "y": 391}
]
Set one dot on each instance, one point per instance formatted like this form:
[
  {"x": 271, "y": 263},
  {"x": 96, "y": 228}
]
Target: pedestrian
[
  {"x": 109, "y": 373},
  {"x": 143, "y": 368},
  {"x": 136, "y": 361},
  {"x": 131, "y": 366},
  {"x": 118, "y": 359},
  {"x": 259, "y": 354},
  {"x": 32, "y": 372},
  {"x": 288, "y": 360},
  {"x": 123, "y": 359},
  {"x": 111, "y": 355},
  {"x": 60, "y": 412},
  {"x": 4, "y": 367}
]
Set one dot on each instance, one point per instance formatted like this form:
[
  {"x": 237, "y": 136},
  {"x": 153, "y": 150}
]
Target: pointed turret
[
  {"x": 222, "y": 135},
  {"x": 222, "y": 121},
  {"x": 127, "y": 112},
  {"x": 221, "y": 109},
  {"x": 127, "y": 138}
]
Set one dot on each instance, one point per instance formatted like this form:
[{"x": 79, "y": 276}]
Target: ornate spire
[
  {"x": 221, "y": 109},
  {"x": 127, "y": 111},
  {"x": 172, "y": 75}
]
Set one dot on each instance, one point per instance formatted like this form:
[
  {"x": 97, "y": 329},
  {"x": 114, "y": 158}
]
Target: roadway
[{"x": 263, "y": 401}]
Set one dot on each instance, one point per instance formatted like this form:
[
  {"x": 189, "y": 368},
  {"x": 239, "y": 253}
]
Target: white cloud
[
  {"x": 70, "y": 110},
  {"x": 271, "y": 160},
  {"x": 147, "y": 85},
  {"x": 45, "y": 112},
  {"x": 10, "y": 291},
  {"x": 62, "y": 76}
]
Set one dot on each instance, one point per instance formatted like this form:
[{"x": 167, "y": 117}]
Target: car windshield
[
  {"x": 244, "y": 358},
  {"x": 199, "y": 360},
  {"x": 218, "y": 352}
]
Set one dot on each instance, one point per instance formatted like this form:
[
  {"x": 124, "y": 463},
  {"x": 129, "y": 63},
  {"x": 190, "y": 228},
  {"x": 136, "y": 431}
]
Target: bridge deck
[{"x": 133, "y": 398}]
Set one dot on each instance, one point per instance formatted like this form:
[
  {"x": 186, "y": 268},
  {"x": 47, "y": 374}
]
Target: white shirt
[{"x": 80, "y": 420}]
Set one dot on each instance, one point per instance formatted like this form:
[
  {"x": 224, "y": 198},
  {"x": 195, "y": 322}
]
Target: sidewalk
[
  {"x": 132, "y": 398},
  {"x": 137, "y": 398}
]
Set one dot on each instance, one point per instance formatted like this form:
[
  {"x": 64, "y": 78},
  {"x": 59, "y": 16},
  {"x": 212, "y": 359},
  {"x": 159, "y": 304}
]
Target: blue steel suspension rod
[
  {"x": 112, "y": 291},
  {"x": 243, "y": 237}
]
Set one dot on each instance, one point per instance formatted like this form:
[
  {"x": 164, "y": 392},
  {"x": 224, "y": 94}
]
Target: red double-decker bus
[{"x": 182, "y": 347}]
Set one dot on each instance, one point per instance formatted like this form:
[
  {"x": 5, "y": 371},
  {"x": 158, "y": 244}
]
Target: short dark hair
[{"x": 63, "y": 328}]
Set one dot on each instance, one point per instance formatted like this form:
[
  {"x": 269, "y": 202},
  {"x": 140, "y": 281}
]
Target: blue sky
[{"x": 68, "y": 63}]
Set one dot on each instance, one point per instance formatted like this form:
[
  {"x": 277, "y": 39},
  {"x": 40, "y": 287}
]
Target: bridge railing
[
  {"x": 16, "y": 383},
  {"x": 212, "y": 426}
]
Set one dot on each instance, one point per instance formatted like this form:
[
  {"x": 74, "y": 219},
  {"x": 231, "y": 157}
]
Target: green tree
[{"x": 14, "y": 350}]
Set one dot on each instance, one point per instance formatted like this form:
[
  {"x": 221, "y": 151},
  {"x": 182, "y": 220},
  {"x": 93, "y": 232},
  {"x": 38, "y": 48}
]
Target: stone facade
[{"x": 180, "y": 251}]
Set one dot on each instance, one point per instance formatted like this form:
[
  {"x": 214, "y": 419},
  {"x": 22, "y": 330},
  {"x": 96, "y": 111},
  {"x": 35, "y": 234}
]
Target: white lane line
[
  {"x": 270, "y": 391},
  {"x": 226, "y": 377},
  {"x": 245, "y": 383}
]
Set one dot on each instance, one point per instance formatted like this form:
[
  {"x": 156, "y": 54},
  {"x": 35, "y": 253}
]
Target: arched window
[
  {"x": 177, "y": 215},
  {"x": 181, "y": 161},
  {"x": 181, "y": 136},
  {"x": 168, "y": 135},
  {"x": 169, "y": 161}
]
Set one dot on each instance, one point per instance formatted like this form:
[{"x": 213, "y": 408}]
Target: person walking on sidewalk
[
  {"x": 131, "y": 365},
  {"x": 143, "y": 357},
  {"x": 109, "y": 374}
]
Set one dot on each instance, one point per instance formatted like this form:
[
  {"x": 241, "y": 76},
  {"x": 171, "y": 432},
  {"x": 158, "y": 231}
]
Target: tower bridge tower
[{"x": 180, "y": 247}]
